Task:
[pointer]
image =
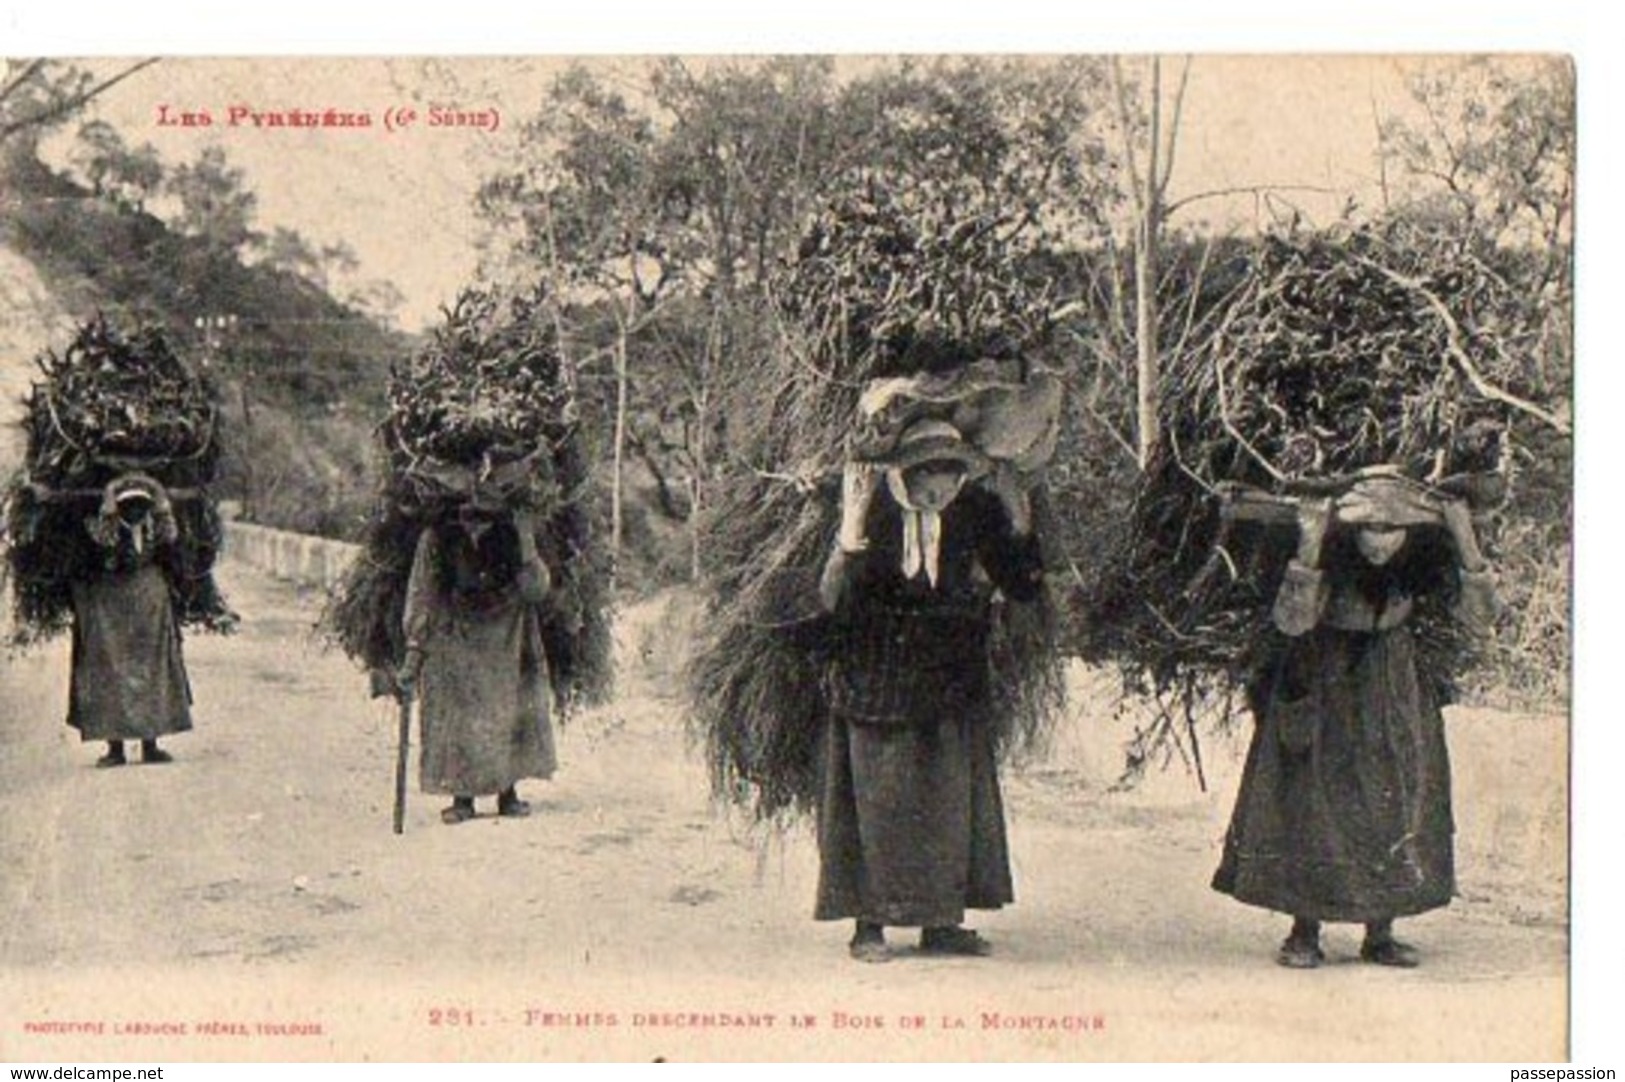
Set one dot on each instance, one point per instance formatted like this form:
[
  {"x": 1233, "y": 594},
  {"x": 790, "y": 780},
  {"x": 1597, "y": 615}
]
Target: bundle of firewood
[
  {"x": 1382, "y": 347},
  {"x": 108, "y": 405},
  {"x": 484, "y": 415},
  {"x": 923, "y": 301}
]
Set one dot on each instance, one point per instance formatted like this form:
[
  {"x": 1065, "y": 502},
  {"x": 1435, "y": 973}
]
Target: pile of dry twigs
[
  {"x": 1340, "y": 350},
  {"x": 485, "y": 412},
  {"x": 107, "y": 405},
  {"x": 883, "y": 285}
]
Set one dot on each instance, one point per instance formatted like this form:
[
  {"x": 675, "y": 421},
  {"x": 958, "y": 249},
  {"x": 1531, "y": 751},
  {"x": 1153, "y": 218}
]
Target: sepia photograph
[{"x": 791, "y": 556}]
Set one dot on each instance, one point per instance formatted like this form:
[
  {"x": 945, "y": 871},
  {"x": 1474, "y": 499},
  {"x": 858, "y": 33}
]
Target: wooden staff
[
  {"x": 1404, "y": 504},
  {"x": 402, "y": 742},
  {"x": 1242, "y": 503}
]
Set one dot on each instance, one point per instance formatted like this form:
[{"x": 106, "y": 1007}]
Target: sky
[{"x": 402, "y": 199}]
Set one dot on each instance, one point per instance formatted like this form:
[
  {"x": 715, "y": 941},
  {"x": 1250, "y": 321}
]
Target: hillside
[
  {"x": 301, "y": 374},
  {"x": 32, "y": 319}
]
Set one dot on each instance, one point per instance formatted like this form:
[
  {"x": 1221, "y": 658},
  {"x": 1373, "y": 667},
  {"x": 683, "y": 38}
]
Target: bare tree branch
[
  {"x": 1173, "y": 133},
  {"x": 68, "y": 105},
  {"x": 1119, "y": 303},
  {"x": 1127, "y": 126},
  {"x": 1230, "y": 426},
  {"x": 1195, "y": 292},
  {"x": 1111, "y": 430},
  {"x": 1382, "y": 153},
  {"x": 1459, "y": 355},
  {"x": 1246, "y": 189},
  {"x": 22, "y": 77}
]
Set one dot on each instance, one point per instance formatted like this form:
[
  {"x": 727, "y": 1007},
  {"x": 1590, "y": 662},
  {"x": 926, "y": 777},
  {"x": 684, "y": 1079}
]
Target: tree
[
  {"x": 1482, "y": 166},
  {"x": 740, "y": 157},
  {"x": 742, "y": 145},
  {"x": 1493, "y": 145},
  {"x": 1485, "y": 162},
  {"x": 37, "y": 95},
  {"x": 126, "y": 177},
  {"x": 687, "y": 191},
  {"x": 1148, "y": 289},
  {"x": 679, "y": 202},
  {"x": 586, "y": 188},
  {"x": 216, "y": 207},
  {"x": 1149, "y": 186},
  {"x": 1022, "y": 135},
  {"x": 289, "y": 250},
  {"x": 99, "y": 144}
]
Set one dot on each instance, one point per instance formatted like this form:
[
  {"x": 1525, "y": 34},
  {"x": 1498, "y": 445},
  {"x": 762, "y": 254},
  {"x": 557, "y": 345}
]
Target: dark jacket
[{"x": 906, "y": 650}]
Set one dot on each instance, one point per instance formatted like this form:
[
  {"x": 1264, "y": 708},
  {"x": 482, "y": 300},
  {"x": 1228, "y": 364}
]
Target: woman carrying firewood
[
  {"x": 1344, "y": 811},
  {"x": 110, "y": 531},
  {"x": 475, "y": 657},
  {"x": 911, "y": 825},
  {"x": 128, "y": 680},
  {"x": 480, "y": 589}
]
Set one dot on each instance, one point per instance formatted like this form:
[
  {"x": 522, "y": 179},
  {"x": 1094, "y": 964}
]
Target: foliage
[
  {"x": 480, "y": 386},
  {"x": 108, "y": 396},
  {"x": 128, "y": 177},
  {"x": 215, "y": 204},
  {"x": 298, "y": 370},
  {"x": 897, "y": 279}
]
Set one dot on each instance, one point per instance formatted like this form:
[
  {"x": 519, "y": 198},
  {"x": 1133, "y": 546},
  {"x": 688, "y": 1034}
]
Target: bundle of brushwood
[
  {"x": 484, "y": 415},
  {"x": 888, "y": 280},
  {"x": 1382, "y": 347},
  {"x": 886, "y": 288},
  {"x": 108, "y": 405}
]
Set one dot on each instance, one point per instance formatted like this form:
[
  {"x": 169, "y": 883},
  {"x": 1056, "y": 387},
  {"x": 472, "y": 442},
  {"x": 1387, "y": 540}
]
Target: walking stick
[{"x": 403, "y": 739}]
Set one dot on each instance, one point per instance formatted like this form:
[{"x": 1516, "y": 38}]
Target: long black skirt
[
  {"x": 128, "y": 680},
  {"x": 1343, "y": 813},
  {"x": 910, "y": 824}
]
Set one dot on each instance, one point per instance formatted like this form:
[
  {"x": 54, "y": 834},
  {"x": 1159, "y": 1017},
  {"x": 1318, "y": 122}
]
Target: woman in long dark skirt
[
  {"x": 1344, "y": 809},
  {"x": 128, "y": 680},
  {"x": 474, "y": 656},
  {"x": 911, "y": 823}
]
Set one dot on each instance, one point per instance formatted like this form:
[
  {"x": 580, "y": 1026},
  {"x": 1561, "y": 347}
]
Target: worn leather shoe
[
  {"x": 960, "y": 941},
  {"x": 1300, "y": 954},
  {"x": 869, "y": 943},
  {"x": 460, "y": 811},
  {"x": 1390, "y": 952}
]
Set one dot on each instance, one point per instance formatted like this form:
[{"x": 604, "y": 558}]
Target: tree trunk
[
  {"x": 639, "y": 446},
  {"x": 696, "y": 503},
  {"x": 615, "y": 493},
  {"x": 1145, "y": 283},
  {"x": 1145, "y": 338},
  {"x": 250, "y": 510}
]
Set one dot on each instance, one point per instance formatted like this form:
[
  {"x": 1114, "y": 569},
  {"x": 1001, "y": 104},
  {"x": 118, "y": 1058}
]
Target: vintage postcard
[{"x": 787, "y": 557}]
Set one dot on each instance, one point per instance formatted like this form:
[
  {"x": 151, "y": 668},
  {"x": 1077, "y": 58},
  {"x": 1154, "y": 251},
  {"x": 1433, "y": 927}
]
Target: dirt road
[{"x": 249, "y": 901}]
